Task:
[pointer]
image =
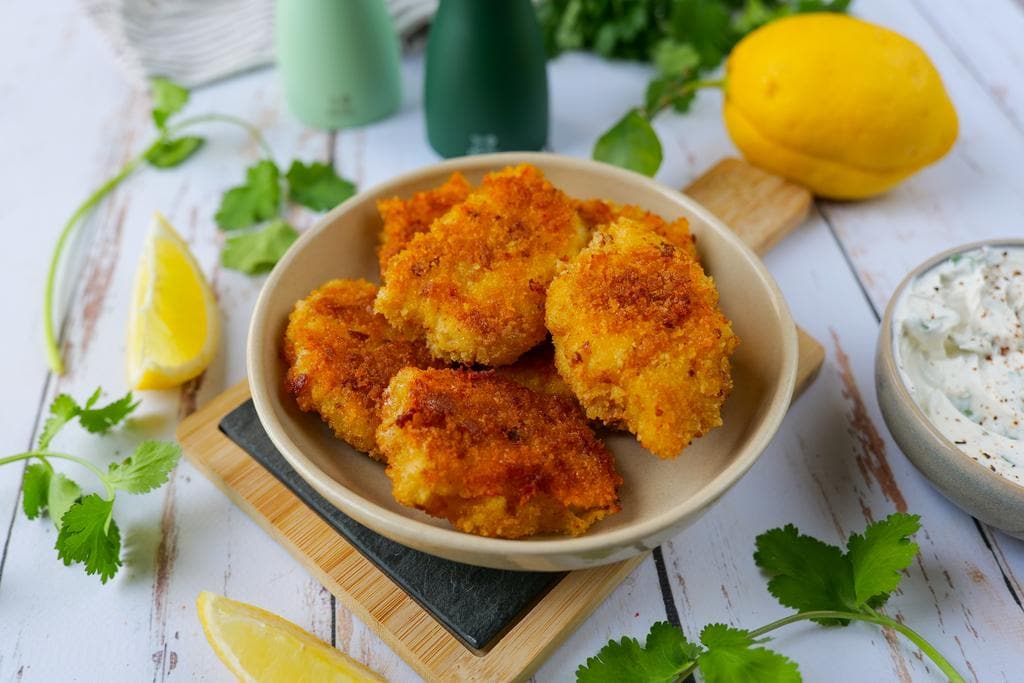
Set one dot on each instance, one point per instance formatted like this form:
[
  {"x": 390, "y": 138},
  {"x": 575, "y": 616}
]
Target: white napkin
[{"x": 197, "y": 41}]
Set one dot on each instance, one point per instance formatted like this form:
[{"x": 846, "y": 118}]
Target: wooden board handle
[{"x": 762, "y": 209}]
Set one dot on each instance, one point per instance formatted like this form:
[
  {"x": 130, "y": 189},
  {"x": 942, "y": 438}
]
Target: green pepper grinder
[
  {"x": 486, "y": 86},
  {"x": 338, "y": 60}
]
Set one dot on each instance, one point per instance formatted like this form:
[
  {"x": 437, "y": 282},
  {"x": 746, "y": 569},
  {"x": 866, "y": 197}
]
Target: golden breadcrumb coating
[
  {"x": 597, "y": 214},
  {"x": 640, "y": 339},
  {"x": 493, "y": 457},
  {"x": 406, "y": 218},
  {"x": 536, "y": 370},
  {"x": 474, "y": 285},
  {"x": 341, "y": 356}
]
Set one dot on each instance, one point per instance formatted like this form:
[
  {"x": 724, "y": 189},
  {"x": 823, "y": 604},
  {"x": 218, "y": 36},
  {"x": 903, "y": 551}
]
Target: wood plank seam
[
  {"x": 991, "y": 541},
  {"x": 988, "y": 538},
  {"x": 332, "y": 161},
  {"x": 968, "y": 66}
]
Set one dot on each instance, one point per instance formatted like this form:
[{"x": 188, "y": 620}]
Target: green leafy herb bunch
[
  {"x": 685, "y": 40},
  {"x": 251, "y": 212},
  {"x": 819, "y": 580}
]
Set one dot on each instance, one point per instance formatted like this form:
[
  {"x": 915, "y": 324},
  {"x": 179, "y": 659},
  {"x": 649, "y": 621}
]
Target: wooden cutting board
[{"x": 760, "y": 207}]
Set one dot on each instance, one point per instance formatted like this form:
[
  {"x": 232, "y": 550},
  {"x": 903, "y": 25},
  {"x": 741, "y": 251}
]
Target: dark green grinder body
[{"x": 486, "y": 86}]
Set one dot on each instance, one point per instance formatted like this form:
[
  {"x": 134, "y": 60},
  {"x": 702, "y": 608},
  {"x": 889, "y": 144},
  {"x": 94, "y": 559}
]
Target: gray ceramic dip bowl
[{"x": 987, "y": 495}]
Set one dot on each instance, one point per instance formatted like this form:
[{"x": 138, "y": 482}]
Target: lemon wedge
[
  {"x": 174, "y": 327},
  {"x": 259, "y": 646}
]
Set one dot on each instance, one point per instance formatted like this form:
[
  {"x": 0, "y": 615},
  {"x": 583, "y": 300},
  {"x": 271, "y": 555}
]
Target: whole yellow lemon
[{"x": 847, "y": 108}]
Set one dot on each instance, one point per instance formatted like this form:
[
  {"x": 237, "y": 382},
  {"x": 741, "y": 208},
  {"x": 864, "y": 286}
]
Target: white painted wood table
[{"x": 68, "y": 119}]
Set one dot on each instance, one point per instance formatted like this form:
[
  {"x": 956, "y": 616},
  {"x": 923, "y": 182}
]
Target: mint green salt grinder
[
  {"x": 486, "y": 86},
  {"x": 338, "y": 60}
]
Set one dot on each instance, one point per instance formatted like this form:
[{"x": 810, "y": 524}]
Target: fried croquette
[
  {"x": 341, "y": 356},
  {"x": 536, "y": 370},
  {"x": 597, "y": 214},
  {"x": 493, "y": 457},
  {"x": 474, "y": 285},
  {"x": 406, "y": 218},
  {"x": 640, "y": 339}
]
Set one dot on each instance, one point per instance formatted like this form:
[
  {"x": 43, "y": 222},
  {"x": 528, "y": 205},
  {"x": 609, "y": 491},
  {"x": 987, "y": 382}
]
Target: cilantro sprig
[
  {"x": 825, "y": 584},
  {"x": 86, "y": 530},
  {"x": 684, "y": 39},
  {"x": 256, "y": 202}
]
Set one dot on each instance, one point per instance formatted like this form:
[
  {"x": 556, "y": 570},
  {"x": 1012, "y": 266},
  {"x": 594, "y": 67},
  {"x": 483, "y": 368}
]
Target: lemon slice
[
  {"x": 175, "y": 325},
  {"x": 259, "y": 646}
]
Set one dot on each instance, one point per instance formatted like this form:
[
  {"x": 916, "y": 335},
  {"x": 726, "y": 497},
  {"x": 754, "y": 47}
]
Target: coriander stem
[
  {"x": 50, "y": 328},
  {"x": 878, "y": 619},
  {"x": 53, "y": 356},
  {"x": 685, "y": 89},
  {"x": 45, "y": 455},
  {"x": 19, "y": 456},
  {"x": 224, "y": 118}
]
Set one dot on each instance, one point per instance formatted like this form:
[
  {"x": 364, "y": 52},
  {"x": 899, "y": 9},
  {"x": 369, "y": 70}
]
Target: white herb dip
[{"x": 960, "y": 351}]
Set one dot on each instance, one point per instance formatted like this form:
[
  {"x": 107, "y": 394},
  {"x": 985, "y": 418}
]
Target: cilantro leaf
[
  {"x": 704, "y": 25},
  {"x": 89, "y": 535},
  {"x": 94, "y": 397},
  {"x": 146, "y": 469},
  {"x": 811, "y": 575},
  {"x": 878, "y": 556},
  {"x": 169, "y": 152},
  {"x": 684, "y": 39},
  {"x": 63, "y": 409},
  {"x": 612, "y": 29},
  {"x": 664, "y": 656},
  {"x": 255, "y": 201},
  {"x": 616, "y": 661},
  {"x": 668, "y": 647},
  {"x": 807, "y": 573},
  {"x": 731, "y": 655},
  {"x": 258, "y": 251},
  {"x": 317, "y": 186},
  {"x": 100, "y": 420},
  {"x": 673, "y": 58},
  {"x": 63, "y": 493},
  {"x": 168, "y": 100},
  {"x": 614, "y": 36},
  {"x": 631, "y": 143},
  {"x": 35, "y": 487},
  {"x": 678, "y": 91}
]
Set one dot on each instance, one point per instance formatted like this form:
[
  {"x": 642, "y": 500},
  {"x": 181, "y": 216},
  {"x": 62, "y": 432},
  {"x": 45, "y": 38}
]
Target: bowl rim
[
  {"x": 409, "y": 531},
  {"x": 887, "y": 355}
]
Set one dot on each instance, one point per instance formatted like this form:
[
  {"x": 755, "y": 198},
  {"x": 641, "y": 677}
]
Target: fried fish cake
[
  {"x": 406, "y": 218},
  {"x": 536, "y": 370},
  {"x": 493, "y": 457},
  {"x": 640, "y": 339},
  {"x": 474, "y": 285},
  {"x": 341, "y": 356},
  {"x": 598, "y": 214}
]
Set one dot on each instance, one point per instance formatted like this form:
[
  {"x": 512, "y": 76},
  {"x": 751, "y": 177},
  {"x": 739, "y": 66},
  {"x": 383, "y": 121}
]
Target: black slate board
[{"x": 477, "y": 605}]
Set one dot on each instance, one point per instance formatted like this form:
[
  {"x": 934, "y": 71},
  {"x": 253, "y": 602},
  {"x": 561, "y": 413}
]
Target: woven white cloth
[{"x": 197, "y": 41}]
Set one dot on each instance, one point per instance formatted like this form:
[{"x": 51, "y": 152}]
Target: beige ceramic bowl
[
  {"x": 986, "y": 495},
  {"x": 659, "y": 498}
]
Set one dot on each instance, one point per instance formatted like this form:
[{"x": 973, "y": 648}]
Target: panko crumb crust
[
  {"x": 640, "y": 339},
  {"x": 474, "y": 285},
  {"x": 598, "y": 214},
  {"x": 403, "y": 219},
  {"x": 536, "y": 370},
  {"x": 341, "y": 356},
  {"x": 492, "y": 456}
]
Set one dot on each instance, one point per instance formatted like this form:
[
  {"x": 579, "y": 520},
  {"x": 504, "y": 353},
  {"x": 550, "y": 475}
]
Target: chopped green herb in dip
[{"x": 960, "y": 351}]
